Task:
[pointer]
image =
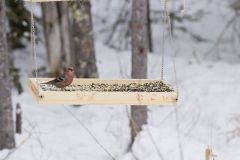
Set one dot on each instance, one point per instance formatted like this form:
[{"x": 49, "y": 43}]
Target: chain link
[
  {"x": 167, "y": 21},
  {"x": 172, "y": 43},
  {"x": 163, "y": 39},
  {"x": 33, "y": 45}
]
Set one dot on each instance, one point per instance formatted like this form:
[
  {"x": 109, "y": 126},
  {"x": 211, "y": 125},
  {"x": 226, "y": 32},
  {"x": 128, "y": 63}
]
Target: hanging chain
[
  {"x": 172, "y": 43},
  {"x": 163, "y": 40},
  {"x": 33, "y": 45}
]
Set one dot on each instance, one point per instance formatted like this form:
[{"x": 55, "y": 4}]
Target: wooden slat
[
  {"x": 95, "y": 97},
  {"x": 45, "y": 0},
  {"x": 209, "y": 155}
]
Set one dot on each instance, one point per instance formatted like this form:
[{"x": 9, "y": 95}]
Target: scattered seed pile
[{"x": 157, "y": 86}]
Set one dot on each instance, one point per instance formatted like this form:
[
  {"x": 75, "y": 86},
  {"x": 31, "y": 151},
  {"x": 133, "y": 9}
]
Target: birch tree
[
  {"x": 139, "y": 58},
  {"x": 7, "y": 140}
]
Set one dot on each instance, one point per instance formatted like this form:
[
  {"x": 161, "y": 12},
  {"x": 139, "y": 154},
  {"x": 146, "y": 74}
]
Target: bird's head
[{"x": 70, "y": 70}]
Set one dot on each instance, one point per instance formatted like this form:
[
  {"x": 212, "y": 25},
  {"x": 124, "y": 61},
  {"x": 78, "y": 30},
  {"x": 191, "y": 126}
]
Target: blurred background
[{"x": 95, "y": 37}]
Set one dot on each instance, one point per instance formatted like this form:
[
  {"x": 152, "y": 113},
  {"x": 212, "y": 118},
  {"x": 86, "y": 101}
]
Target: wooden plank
[
  {"x": 97, "y": 97},
  {"x": 45, "y": 0},
  {"x": 209, "y": 155}
]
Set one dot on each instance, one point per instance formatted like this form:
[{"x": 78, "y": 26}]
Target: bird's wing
[{"x": 60, "y": 78}]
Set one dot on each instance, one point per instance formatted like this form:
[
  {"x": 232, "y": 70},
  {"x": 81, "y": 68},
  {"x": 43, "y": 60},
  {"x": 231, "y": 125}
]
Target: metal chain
[
  {"x": 33, "y": 45},
  {"x": 172, "y": 43},
  {"x": 163, "y": 43}
]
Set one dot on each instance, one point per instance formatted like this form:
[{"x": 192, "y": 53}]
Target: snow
[
  {"x": 209, "y": 99},
  {"x": 212, "y": 15}
]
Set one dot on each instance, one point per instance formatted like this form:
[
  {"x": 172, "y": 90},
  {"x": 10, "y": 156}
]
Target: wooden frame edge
[{"x": 44, "y": 97}]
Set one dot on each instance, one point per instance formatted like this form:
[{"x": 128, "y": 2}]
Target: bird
[{"x": 63, "y": 80}]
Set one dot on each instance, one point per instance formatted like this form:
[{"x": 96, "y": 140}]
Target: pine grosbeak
[{"x": 63, "y": 80}]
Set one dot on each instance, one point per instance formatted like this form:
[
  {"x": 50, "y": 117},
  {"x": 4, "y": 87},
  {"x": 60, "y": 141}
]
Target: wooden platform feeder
[{"x": 96, "y": 91}]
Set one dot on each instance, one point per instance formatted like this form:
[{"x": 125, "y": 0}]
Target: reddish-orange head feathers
[{"x": 70, "y": 71}]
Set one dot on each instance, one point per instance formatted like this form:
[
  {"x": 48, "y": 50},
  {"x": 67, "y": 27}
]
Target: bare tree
[
  {"x": 118, "y": 33},
  {"x": 52, "y": 35},
  {"x": 83, "y": 42},
  {"x": 7, "y": 139},
  {"x": 149, "y": 27},
  {"x": 139, "y": 57},
  {"x": 65, "y": 29},
  {"x": 69, "y": 37}
]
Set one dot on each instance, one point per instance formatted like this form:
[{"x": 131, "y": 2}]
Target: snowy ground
[{"x": 209, "y": 98}]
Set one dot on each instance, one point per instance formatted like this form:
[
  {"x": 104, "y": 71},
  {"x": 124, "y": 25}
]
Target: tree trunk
[
  {"x": 18, "y": 119},
  {"x": 149, "y": 27},
  {"x": 65, "y": 25},
  {"x": 52, "y": 36},
  {"x": 139, "y": 57},
  {"x": 83, "y": 42},
  {"x": 7, "y": 140}
]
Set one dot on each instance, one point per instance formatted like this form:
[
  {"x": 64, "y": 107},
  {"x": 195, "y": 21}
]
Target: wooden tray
[{"x": 100, "y": 97}]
